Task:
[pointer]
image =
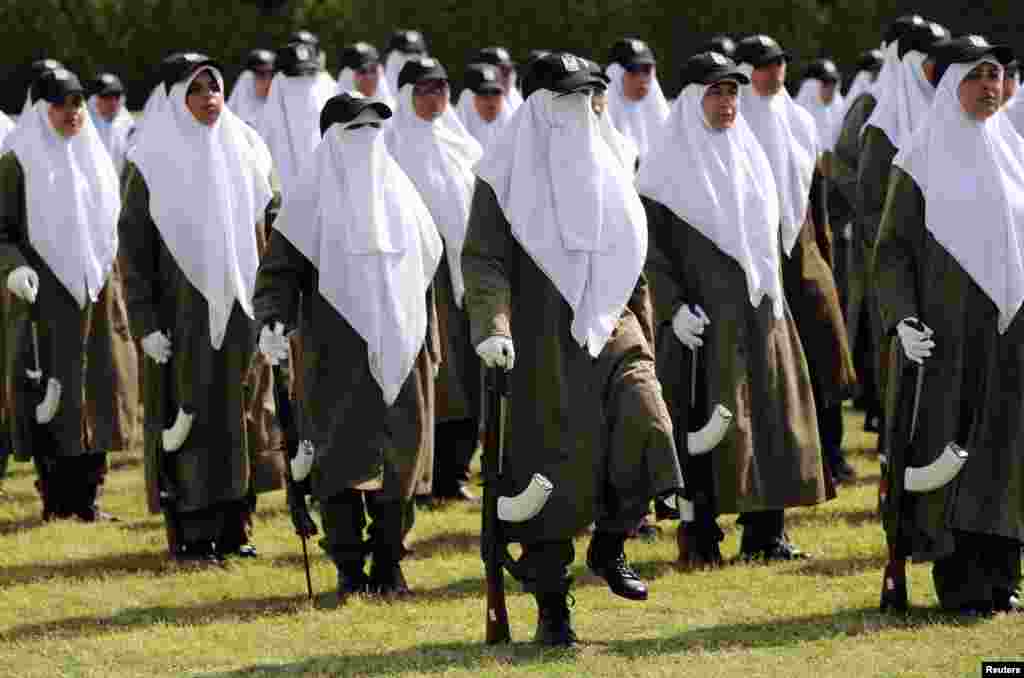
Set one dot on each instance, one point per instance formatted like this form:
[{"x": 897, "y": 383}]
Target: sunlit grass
[{"x": 82, "y": 600}]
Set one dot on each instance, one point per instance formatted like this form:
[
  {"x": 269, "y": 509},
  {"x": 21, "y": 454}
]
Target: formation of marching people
[{"x": 682, "y": 293}]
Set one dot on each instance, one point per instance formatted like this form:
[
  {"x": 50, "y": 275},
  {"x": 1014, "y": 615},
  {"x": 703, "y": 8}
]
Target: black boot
[
  {"x": 554, "y": 627},
  {"x": 352, "y": 579},
  {"x": 607, "y": 559},
  {"x": 90, "y": 472},
  {"x": 765, "y": 539},
  {"x": 387, "y": 530},
  {"x": 344, "y": 519}
]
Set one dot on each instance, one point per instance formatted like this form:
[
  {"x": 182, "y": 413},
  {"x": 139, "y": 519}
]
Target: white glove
[
  {"x": 157, "y": 346},
  {"x": 917, "y": 345},
  {"x": 47, "y": 410},
  {"x": 497, "y": 352},
  {"x": 437, "y": 370},
  {"x": 274, "y": 344},
  {"x": 689, "y": 325},
  {"x": 302, "y": 464},
  {"x": 23, "y": 282},
  {"x": 175, "y": 436}
]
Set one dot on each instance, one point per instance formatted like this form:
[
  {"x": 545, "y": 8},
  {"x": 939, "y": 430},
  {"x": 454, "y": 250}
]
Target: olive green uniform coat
[
  {"x": 752, "y": 363},
  {"x": 359, "y": 440},
  {"x": 212, "y": 466},
  {"x": 597, "y": 428},
  {"x": 973, "y": 392},
  {"x": 77, "y": 346}
]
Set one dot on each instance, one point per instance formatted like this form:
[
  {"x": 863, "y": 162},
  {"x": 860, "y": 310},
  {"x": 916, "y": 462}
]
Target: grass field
[{"x": 82, "y": 600}]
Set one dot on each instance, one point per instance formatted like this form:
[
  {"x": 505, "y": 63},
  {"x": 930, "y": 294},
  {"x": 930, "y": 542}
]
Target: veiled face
[
  {"x": 68, "y": 117},
  {"x": 719, "y": 104},
  {"x": 981, "y": 91},
  {"x": 827, "y": 92},
  {"x": 636, "y": 81},
  {"x": 204, "y": 99}
]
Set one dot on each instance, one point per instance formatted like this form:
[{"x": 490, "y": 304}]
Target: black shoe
[
  {"x": 606, "y": 559},
  {"x": 554, "y": 627},
  {"x": 842, "y": 472},
  {"x": 698, "y": 549},
  {"x": 387, "y": 579},
  {"x": 777, "y": 550},
  {"x": 460, "y": 493},
  {"x": 352, "y": 580},
  {"x": 198, "y": 552},
  {"x": 646, "y": 531},
  {"x": 243, "y": 551},
  {"x": 662, "y": 511},
  {"x": 894, "y": 591},
  {"x": 93, "y": 514}
]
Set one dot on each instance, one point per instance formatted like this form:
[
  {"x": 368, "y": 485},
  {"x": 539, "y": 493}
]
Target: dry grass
[{"x": 103, "y": 601}]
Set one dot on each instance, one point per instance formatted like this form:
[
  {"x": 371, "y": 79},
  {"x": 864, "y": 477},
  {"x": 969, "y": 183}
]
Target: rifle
[
  {"x": 296, "y": 491},
  {"x": 498, "y": 509},
  {"x": 167, "y": 479}
]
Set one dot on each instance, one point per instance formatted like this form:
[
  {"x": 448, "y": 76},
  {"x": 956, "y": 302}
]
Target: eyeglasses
[
  {"x": 358, "y": 125},
  {"x": 646, "y": 69},
  {"x": 430, "y": 88}
]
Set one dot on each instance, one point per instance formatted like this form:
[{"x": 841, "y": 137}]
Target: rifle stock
[{"x": 492, "y": 542}]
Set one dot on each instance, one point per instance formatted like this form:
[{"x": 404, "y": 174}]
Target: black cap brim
[
  {"x": 719, "y": 75},
  {"x": 345, "y": 108},
  {"x": 771, "y": 55},
  {"x": 574, "y": 82},
  {"x": 488, "y": 90}
]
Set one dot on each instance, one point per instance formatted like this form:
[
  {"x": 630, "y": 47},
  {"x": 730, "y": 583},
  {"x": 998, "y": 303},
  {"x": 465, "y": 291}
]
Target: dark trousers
[
  {"x": 344, "y": 518},
  {"x": 982, "y": 573},
  {"x": 762, "y": 529},
  {"x": 455, "y": 443},
  {"x": 224, "y": 523},
  {"x": 70, "y": 485}
]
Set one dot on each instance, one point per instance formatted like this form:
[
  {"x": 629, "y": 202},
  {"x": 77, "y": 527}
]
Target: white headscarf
[
  {"x": 291, "y": 123},
  {"x": 828, "y": 118},
  {"x": 439, "y": 157},
  {"x": 6, "y": 127},
  {"x": 972, "y": 177},
  {"x": 1014, "y": 110},
  {"x": 245, "y": 103},
  {"x": 360, "y": 221},
  {"x": 347, "y": 85},
  {"x": 720, "y": 182},
  {"x": 788, "y": 135},
  {"x": 72, "y": 201},
  {"x": 904, "y": 98},
  {"x": 862, "y": 84},
  {"x": 114, "y": 134},
  {"x": 483, "y": 132},
  {"x": 640, "y": 120},
  {"x": 208, "y": 187},
  {"x": 572, "y": 207},
  {"x": 396, "y": 59}
]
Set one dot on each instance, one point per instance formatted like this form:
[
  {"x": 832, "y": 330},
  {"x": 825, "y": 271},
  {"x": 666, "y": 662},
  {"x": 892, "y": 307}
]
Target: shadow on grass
[
  {"x": 19, "y": 525},
  {"x": 852, "y": 517},
  {"x": 842, "y": 567},
  {"x": 442, "y": 657},
  {"x": 120, "y": 564}
]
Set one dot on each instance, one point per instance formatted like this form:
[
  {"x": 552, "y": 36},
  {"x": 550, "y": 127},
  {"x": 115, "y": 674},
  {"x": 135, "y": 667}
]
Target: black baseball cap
[
  {"x": 259, "y": 57},
  {"x": 483, "y": 78},
  {"x": 707, "y": 68},
  {"x": 923, "y": 38},
  {"x": 721, "y": 44},
  {"x": 107, "y": 85},
  {"x": 346, "y": 107},
  {"x": 407, "y": 41},
  {"x": 823, "y": 69},
  {"x": 871, "y": 60},
  {"x": 1011, "y": 69},
  {"x": 421, "y": 69},
  {"x": 758, "y": 51},
  {"x": 304, "y": 37},
  {"x": 562, "y": 73},
  {"x": 298, "y": 58},
  {"x": 180, "y": 66},
  {"x": 358, "y": 55},
  {"x": 898, "y": 28},
  {"x": 631, "y": 51},
  {"x": 41, "y": 66},
  {"x": 55, "y": 86},
  {"x": 496, "y": 56},
  {"x": 968, "y": 48}
]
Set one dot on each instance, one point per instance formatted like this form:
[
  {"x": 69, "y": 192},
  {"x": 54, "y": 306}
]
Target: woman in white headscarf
[
  {"x": 350, "y": 265},
  {"x": 716, "y": 281},
  {"x": 249, "y": 97},
  {"x": 197, "y": 185},
  {"x": 292, "y": 110},
  {"x": 403, "y": 46},
  {"x": 950, "y": 267},
  {"x": 433, "y": 148},
  {"x": 819, "y": 95},
  {"x": 59, "y": 202},
  {"x": 636, "y": 104},
  {"x": 482, "y": 106},
  {"x": 553, "y": 266},
  {"x": 787, "y": 133},
  {"x": 362, "y": 72},
  {"x": 109, "y": 113}
]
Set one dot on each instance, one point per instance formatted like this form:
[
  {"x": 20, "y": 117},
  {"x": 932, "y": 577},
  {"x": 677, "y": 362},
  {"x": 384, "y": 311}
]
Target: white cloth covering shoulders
[
  {"x": 904, "y": 98},
  {"x": 6, "y": 127},
  {"x": 720, "y": 182},
  {"x": 360, "y": 221},
  {"x": 245, "y": 103},
  {"x": 484, "y": 132},
  {"x": 438, "y": 156},
  {"x": 828, "y": 118},
  {"x": 573, "y": 208},
  {"x": 291, "y": 123},
  {"x": 347, "y": 85},
  {"x": 789, "y": 137},
  {"x": 640, "y": 120},
  {"x": 208, "y": 187},
  {"x": 971, "y": 174},
  {"x": 114, "y": 133},
  {"x": 72, "y": 201}
]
